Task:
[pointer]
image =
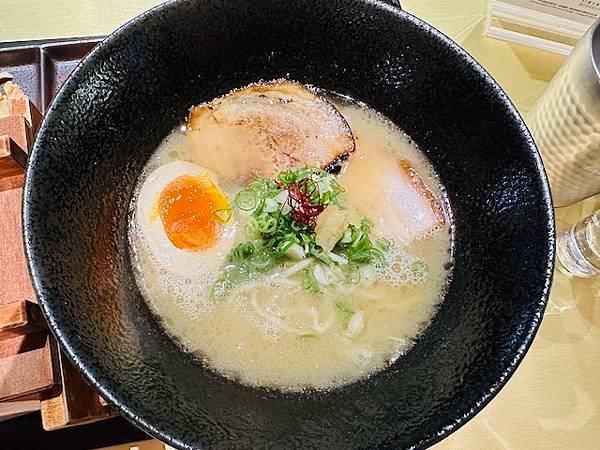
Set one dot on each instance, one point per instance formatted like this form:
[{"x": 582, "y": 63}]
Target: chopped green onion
[
  {"x": 282, "y": 249},
  {"x": 309, "y": 282},
  {"x": 295, "y": 251},
  {"x": 242, "y": 251},
  {"x": 343, "y": 310},
  {"x": 281, "y": 231},
  {"x": 223, "y": 215},
  {"x": 320, "y": 275},
  {"x": 271, "y": 205},
  {"x": 377, "y": 257},
  {"x": 358, "y": 247},
  {"x": 282, "y": 197},
  {"x": 307, "y": 336},
  {"x": 220, "y": 289},
  {"x": 366, "y": 272},
  {"x": 355, "y": 324},
  {"x": 246, "y": 200},
  {"x": 288, "y": 177},
  {"x": 384, "y": 244},
  {"x": 356, "y": 274},
  {"x": 347, "y": 237},
  {"x": 262, "y": 225},
  {"x": 337, "y": 258},
  {"x": 418, "y": 268}
]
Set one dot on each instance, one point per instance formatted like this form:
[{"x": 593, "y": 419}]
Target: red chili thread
[{"x": 299, "y": 194}]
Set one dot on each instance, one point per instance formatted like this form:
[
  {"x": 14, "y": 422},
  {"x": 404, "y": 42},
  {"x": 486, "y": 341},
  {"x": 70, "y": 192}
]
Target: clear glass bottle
[{"x": 578, "y": 249}]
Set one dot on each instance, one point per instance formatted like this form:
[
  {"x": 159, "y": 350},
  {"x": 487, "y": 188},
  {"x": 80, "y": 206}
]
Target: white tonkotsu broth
[{"x": 271, "y": 332}]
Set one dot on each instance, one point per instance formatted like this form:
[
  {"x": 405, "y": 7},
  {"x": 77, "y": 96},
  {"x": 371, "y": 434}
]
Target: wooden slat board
[
  {"x": 15, "y": 408},
  {"x": 151, "y": 444},
  {"x": 26, "y": 349},
  {"x": 26, "y": 365},
  {"x": 73, "y": 401},
  {"x": 30, "y": 363},
  {"x": 20, "y": 318},
  {"x": 27, "y": 352},
  {"x": 14, "y": 277},
  {"x": 10, "y": 153}
]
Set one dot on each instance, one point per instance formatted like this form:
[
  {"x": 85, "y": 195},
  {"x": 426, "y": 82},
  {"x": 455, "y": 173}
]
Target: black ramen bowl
[{"x": 137, "y": 85}]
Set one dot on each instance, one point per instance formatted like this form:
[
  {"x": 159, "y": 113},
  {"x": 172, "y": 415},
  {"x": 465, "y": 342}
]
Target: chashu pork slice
[
  {"x": 267, "y": 128},
  {"x": 392, "y": 194}
]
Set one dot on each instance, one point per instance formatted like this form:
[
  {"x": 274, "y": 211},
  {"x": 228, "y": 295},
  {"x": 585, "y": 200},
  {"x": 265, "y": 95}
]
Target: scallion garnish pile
[{"x": 282, "y": 218}]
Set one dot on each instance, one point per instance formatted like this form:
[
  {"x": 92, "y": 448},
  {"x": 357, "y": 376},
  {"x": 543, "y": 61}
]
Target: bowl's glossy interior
[{"x": 138, "y": 85}]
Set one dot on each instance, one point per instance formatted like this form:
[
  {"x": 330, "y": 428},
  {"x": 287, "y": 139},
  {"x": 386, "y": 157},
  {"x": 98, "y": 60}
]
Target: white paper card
[{"x": 584, "y": 11}]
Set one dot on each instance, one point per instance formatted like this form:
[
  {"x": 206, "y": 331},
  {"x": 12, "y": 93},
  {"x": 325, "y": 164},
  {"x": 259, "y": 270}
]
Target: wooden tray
[
  {"x": 40, "y": 68},
  {"x": 33, "y": 374}
]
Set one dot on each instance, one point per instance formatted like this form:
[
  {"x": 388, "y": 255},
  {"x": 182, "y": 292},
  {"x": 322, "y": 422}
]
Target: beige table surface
[{"x": 553, "y": 400}]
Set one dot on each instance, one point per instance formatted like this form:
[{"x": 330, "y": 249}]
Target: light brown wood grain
[
  {"x": 73, "y": 402},
  {"x": 12, "y": 315},
  {"x": 12, "y": 182},
  {"x": 15, "y": 283},
  {"x": 27, "y": 352},
  {"x": 26, "y": 360},
  {"x": 20, "y": 318},
  {"x": 150, "y": 444},
  {"x": 14, "y": 408},
  {"x": 19, "y": 121},
  {"x": 18, "y": 129},
  {"x": 14, "y": 102},
  {"x": 26, "y": 365},
  {"x": 12, "y": 158}
]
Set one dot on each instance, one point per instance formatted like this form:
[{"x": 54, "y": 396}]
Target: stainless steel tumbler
[{"x": 565, "y": 123}]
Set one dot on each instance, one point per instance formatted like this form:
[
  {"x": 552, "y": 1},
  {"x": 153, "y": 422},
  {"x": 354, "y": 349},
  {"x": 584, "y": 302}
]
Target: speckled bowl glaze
[{"x": 136, "y": 86}]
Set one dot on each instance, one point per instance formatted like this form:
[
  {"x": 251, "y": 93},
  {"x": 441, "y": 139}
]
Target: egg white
[{"x": 151, "y": 233}]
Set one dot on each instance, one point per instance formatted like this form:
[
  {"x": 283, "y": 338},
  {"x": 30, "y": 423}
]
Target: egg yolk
[{"x": 192, "y": 211}]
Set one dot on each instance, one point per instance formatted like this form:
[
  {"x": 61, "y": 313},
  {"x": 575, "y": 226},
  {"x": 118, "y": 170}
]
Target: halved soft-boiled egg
[{"x": 184, "y": 217}]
